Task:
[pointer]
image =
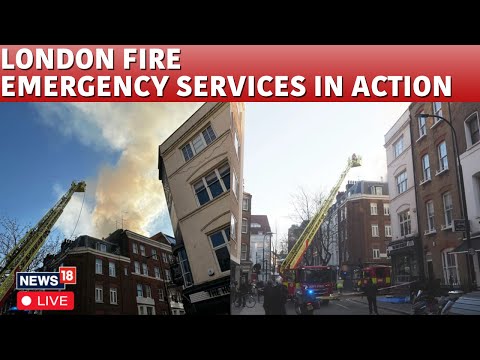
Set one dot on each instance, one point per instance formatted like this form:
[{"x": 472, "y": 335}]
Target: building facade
[
  {"x": 364, "y": 228},
  {"x": 124, "y": 274},
  {"x": 201, "y": 169},
  {"x": 246, "y": 263},
  {"x": 405, "y": 248},
  {"x": 260, "y": 244}
]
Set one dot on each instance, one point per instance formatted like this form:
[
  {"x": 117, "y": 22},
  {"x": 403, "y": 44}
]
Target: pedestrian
[
  {"x": 243, "y": 290},
  {"x": 371, "y": 291},
  {"x": 233, "y": 290},
  {"x": 268, "y": 297},
  {"x": 340, "y": 285}
]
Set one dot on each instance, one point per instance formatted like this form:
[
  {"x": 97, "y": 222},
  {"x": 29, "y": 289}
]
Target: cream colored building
[{"x": 201, "y": 168}]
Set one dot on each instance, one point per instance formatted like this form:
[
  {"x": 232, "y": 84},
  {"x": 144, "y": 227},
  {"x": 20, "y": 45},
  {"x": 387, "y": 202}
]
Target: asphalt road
[{"x": 342, "y": 307}]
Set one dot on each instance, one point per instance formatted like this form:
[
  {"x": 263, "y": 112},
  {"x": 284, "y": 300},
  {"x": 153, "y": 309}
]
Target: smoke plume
[{"x": 129, "y": 191}]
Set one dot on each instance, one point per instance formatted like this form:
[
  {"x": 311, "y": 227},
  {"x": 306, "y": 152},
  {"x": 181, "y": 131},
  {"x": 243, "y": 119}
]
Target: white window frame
[
  {"x": 233, "y": 227},
  {"x": 99, "y": 266},
  {"x": 373, "y": 209},
  {"x": 447, "y": 209},
  {"x": 427, "y": 174},
  {"x": 145, "y": 269},
  {"x": 430, "y": 216},
  {"x": 112, "y": 269},
  {"x": 386, "y": 209},
  {"x": 136, "y": 267},
  {"x": 114, "y": 296},
  {"x": 244, "y": 252},
  {"x": 236, "y": 143},
  {"x": 437, "y": 110},
  {"x": 442, "y": 160},
  {"x": 422, "y": 126},
  {"x": 164, "y": 258},
  {"x": 235, "y": 187},
  {"x": 198, "y": 138},
  {"x": 157, "y": 272},
  {"x": 168, "y": 277},
  {"x": 142, "y": 250},
  {"x": 403, "y": 184},
  {"x": 139, "y": 287},
  {"x": 398, "y": 147},
  {"x": 224, "y": 244},
  {"x": 376, "y": 253},
  {"x": 203, "y": 181},
  {"x": 101, "y": 247},
  {"x": 375, "y": 231},
  {"x": 388, "y": 230},
  {"x": 245, "y": 203},
  {"x": 154, "y": 254},
  {"x": 450, "y": 267},
  {"x": 98, "y": 293},
  {"x": 244, "y": 225},
  {"x": 161, "y": 294},
  {"x": 148, "y": 291},
  {"x": 135, "y": 248},
  {"x": 472, "y": 118},
  {"x": 405, "y": 222}
]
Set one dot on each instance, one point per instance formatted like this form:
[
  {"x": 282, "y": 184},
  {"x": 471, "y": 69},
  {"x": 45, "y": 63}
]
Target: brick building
[
  {"x": 124, "y": 274},
  {"x": 245, "y": 260}
]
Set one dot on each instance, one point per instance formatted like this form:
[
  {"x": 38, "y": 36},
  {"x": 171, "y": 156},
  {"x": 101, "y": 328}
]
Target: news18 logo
[{"x": 46, "y": 300}]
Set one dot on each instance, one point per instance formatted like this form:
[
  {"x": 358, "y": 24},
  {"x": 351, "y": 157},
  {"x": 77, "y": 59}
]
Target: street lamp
[
  {"x": 461, "y": 186},
  {"x": 268, "y": 233}
]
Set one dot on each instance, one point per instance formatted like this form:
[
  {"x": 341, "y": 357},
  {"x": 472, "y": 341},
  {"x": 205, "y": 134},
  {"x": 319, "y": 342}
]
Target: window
[
  {"x": 168, "y": 277},
  {"x": 154, "y": 254},
  {"x": 373, "y": 209},
  {"x": 135, "y": 248},
  {"x": 142, "y": 250},
  {"x": 111, "y": 269},
  {"x": 388, "y": 231},
  {"x": 375, "y": 230},
  {"x": 148, "y": 291},
  {"x": 244, "y": 226},
  {"x": 145, "y": 269},
  {"x": 402, "y": 182},
  {"x": 99, "y": 294},
  {"x": 213, "y": 185},
  {"x": 237, "y": 145},
  {"x": 101, "y": 247},
  {"x": 375, "y": 190},
  {"x": 98, "y": 266},
  {"x": 422, "y": 126},
  {"x": 158, "y": 275},
  {"x": 198, "y": 143},
  {"x": 161, "y": 295},
  {"x": 126, "y": 271},
  {"x": 426, "y": 167},
  {"x": 146, "y": 310},
  {"x": 430, "y": 216},
  {"x": 113, "y": 296},
  {"x": 244, "y": 252},
  {"x": 185, "y": 267},
  {"x": 398, "y": 147},
  {"x": 137, "y": 267},
  {"x": 376, "y": 253},
  {"x": 139, "y": 290},
  {"x": 450, "y": 268},
  {"x": 235, "y": 185},
  {"x": 437, "y": 110},
  {"x": 404, "y": 219},
  {"x": 233, "y": 225},
  {"x": 473, "y": 125},
  {"x": 386, "y": 209},
  {"x": 442, "y": 156},
  {"x": 164, "y": 258},
  {"x": 448, "y": 209},
  {"x": 219, "y": 241},
  {"x": 245, "y": 204}
]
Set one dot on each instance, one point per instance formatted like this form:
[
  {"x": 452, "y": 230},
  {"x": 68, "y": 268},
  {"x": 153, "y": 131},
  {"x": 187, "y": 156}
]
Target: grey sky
[{"x": 288, "y": 145}]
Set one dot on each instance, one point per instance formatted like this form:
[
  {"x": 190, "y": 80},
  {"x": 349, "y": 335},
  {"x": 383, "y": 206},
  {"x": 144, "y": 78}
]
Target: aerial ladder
[
  {"x": 24, "y": 252},
  {"x": 294, "y": 257}
]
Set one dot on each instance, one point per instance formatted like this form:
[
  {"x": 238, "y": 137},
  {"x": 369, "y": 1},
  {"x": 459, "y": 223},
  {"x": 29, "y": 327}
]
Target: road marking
[{"x": 343, "y": 306}]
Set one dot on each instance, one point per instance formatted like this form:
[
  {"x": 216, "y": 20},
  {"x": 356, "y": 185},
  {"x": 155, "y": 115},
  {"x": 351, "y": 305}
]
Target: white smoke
[{"x": 129, "y": 191}]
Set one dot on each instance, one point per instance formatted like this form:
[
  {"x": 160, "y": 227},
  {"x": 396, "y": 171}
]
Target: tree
[
  {"x": 11, "y": 232},
  {"x": 305, "y": 206}
]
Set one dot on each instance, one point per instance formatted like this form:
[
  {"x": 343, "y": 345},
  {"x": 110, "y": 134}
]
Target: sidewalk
[
  {"x": 256, "y": 310},
  {"x": 405, "y": 309}
]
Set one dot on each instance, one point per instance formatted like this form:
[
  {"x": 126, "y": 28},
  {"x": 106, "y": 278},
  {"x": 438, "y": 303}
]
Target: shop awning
[{"x": 463, "y": 248}]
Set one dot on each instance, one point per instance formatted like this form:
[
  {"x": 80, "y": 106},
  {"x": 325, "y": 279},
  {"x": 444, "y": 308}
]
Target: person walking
[
  {"x": 371, "y": 291},
  {"x": 268, "y": 298},
  {"x": 243, "y": 290},
  {"x": 340, "y": 285}
]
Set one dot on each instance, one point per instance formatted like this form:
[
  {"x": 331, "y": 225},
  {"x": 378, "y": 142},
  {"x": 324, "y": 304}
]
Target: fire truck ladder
[
  {"x": 22, "y": 255},
  {"x": 295, "y": 255}
]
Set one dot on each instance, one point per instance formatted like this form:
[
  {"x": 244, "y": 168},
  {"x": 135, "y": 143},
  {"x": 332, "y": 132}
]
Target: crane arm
[
  {"x": 22, "y": 255},
  {"x": 295, "y": 255}
]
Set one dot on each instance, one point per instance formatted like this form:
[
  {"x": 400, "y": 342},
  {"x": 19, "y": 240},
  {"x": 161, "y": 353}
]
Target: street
[{"x": 344, "y": 306}]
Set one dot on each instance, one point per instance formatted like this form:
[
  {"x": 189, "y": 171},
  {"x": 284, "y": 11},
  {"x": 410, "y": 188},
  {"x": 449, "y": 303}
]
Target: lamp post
[
  {"x": 268, "y": 233},
  {"x": 461, "y": 186}
]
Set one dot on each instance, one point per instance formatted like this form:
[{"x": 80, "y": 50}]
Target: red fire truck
[{"x": 319, "y": 281}]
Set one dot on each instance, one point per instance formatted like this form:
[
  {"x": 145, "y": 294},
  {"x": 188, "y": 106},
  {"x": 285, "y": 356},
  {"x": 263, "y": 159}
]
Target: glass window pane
[
  {"x": 208, "y": 135},
  {"x": 223, "y": 257},
  {"x": 214, "y": 185},
  {"x": 198, "y": 144},
  {"x": 217, "y": 239}
]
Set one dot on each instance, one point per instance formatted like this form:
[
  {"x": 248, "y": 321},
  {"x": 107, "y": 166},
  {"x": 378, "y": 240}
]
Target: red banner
[{"x": 240, "y": 73}]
